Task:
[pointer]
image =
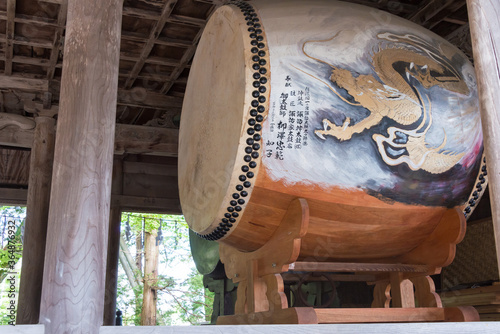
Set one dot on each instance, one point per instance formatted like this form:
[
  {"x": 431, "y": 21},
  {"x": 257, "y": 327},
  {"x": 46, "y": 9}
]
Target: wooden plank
[
  {"x": 137, "y": 139},
  {"x": 148, "y": 204},
  {"x": 146, "y": 50},
  {"x": 140, "y": 13},
  {"x": 35, "y": 42},
  {"x": 58, "y": 39},
  {"x": 31, "y": 61},
  {"x": 476, "y": 299},
  {"x": 35, "y": 231},
  {"x": 140, "y": 97},
  {"x": 22, "y": 83},
  {"x": 35, "y": 20},
  {"x": 74, "y": 275},
  {"x": 9, "y": 34},
  {"x": 10, "y": 196},
  {"x": 133, "y": 167},
  {"x": 409, "y": 328},
  {"x": 484, "y": 21},
  {"x": 432, "y": 8},
  {"x": 479, "y": 290},
  {"x": 349, "y": 315},
  {"x": 183, "y": 19},
  {"x": 186, "y": 58}
]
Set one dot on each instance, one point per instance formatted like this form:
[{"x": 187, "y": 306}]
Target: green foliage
[
  {"x": 180, "y": 300},
  {"x": 11, "y": 220}
]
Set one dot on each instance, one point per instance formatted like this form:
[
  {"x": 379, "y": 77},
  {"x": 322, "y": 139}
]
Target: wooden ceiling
[{"x": 159, "y": 39}]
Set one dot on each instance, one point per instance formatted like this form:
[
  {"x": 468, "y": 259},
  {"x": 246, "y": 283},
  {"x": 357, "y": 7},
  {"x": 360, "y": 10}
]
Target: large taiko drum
[{"x": 370, "y": 118}]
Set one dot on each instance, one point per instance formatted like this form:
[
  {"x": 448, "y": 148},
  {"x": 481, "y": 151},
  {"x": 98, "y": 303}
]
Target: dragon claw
[{"x": 318, "y": 133}]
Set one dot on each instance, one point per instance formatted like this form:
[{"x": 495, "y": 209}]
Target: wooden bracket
[{"x": 258, "y": 273}]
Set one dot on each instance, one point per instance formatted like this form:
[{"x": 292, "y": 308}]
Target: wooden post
[
  {"x": 77, "y": 235},
  {"x": 151, "y": 254},
  {"x": 113, "y": 246},
  {"x": 35, "y": 231},
  {"x": 484, "y": 21}
]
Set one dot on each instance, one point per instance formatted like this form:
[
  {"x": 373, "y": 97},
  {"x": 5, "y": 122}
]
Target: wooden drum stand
[{"x": 407, "y": 287}]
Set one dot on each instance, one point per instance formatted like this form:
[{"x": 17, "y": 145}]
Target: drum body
[{"x": 372, "y": 119}]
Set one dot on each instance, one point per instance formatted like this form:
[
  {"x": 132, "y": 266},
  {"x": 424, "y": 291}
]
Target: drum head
[{"x": 212, "y": 120}]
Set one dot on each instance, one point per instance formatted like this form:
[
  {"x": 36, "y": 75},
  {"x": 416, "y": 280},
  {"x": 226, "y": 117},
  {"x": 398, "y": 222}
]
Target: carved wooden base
[{"x": 403, "y": 292}]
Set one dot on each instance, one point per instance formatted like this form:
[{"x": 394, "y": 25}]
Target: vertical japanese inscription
[{"x": 289, "y": 120}]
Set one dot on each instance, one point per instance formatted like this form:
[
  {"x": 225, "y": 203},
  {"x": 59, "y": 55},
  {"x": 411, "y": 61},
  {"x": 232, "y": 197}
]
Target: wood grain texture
[
  {"x": 35, "y": 231},
  {"x": 75, "y": 258},
  {"x": 15, "y": 137},
  {"x": 151, "y": 254},
  {"x": 136, "y": 139},
  {"x": 484, "y": 21},
  {"x": 133, "y": 139},
  {"x": 421, "y": 314},
  {"x": 21, "y": 83},
  {"x": 11, "y": 196}
]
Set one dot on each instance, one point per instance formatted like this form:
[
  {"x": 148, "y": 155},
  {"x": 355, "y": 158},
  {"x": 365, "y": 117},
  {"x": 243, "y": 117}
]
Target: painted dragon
[{"x": 396, "y": 94}]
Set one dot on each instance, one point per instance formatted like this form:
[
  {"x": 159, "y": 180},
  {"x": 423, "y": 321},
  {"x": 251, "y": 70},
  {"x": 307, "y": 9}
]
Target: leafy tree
[{"x": 180, "y": 300}]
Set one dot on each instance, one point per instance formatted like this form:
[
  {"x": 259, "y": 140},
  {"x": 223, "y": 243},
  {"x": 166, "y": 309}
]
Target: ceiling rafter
[
  {"x": 155, "y": 32},
  {"x": 9, "y": 35},
  {"x": 444, "y": 14},
  {"x": 58, "y": 39},
  {"x": 186, "y": 58},
  {"x": 432, "y": 8}
]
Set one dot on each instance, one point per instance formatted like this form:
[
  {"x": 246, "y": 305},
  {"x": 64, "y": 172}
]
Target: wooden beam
[
  {"x": 146, "y": 50},
  {"x": 186, "y": 58},
  {"x": 133, "y": 167},
  {"x": 187, "y": 20},
  {"x": 432, "y": 8},
  {"x": 75, "y": 262},
  {"x": 135, "y": 139},
  {"x": 35, "y": 20},
  {"x": 149, "y": 204},
  {"x": 140, "y": 97},
  {"x": 35, "y": 230},
  {"x": 484, "y": 21},
  {"x": 10, "y": 196},
  {"x": 138, "y": 37},
  {"x": 31, "y": 61},
  {"x": 34, "y": 42},
  {"x": 58, "y": 39},
  {"x": 9, "y": 35},
  {"x": 22, "y": 83},
  {"x": 444, "y": 14}
]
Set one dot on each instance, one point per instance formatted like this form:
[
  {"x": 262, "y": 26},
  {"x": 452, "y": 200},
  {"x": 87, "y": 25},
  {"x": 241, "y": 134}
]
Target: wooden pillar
[
  {"x": 35, "y": 231},
  {"x": 113, "y": 246},
  {"x": 151, "y": 255},
  {"x": 77, "y": 234},
  {"x": 484, "y": 21}
]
